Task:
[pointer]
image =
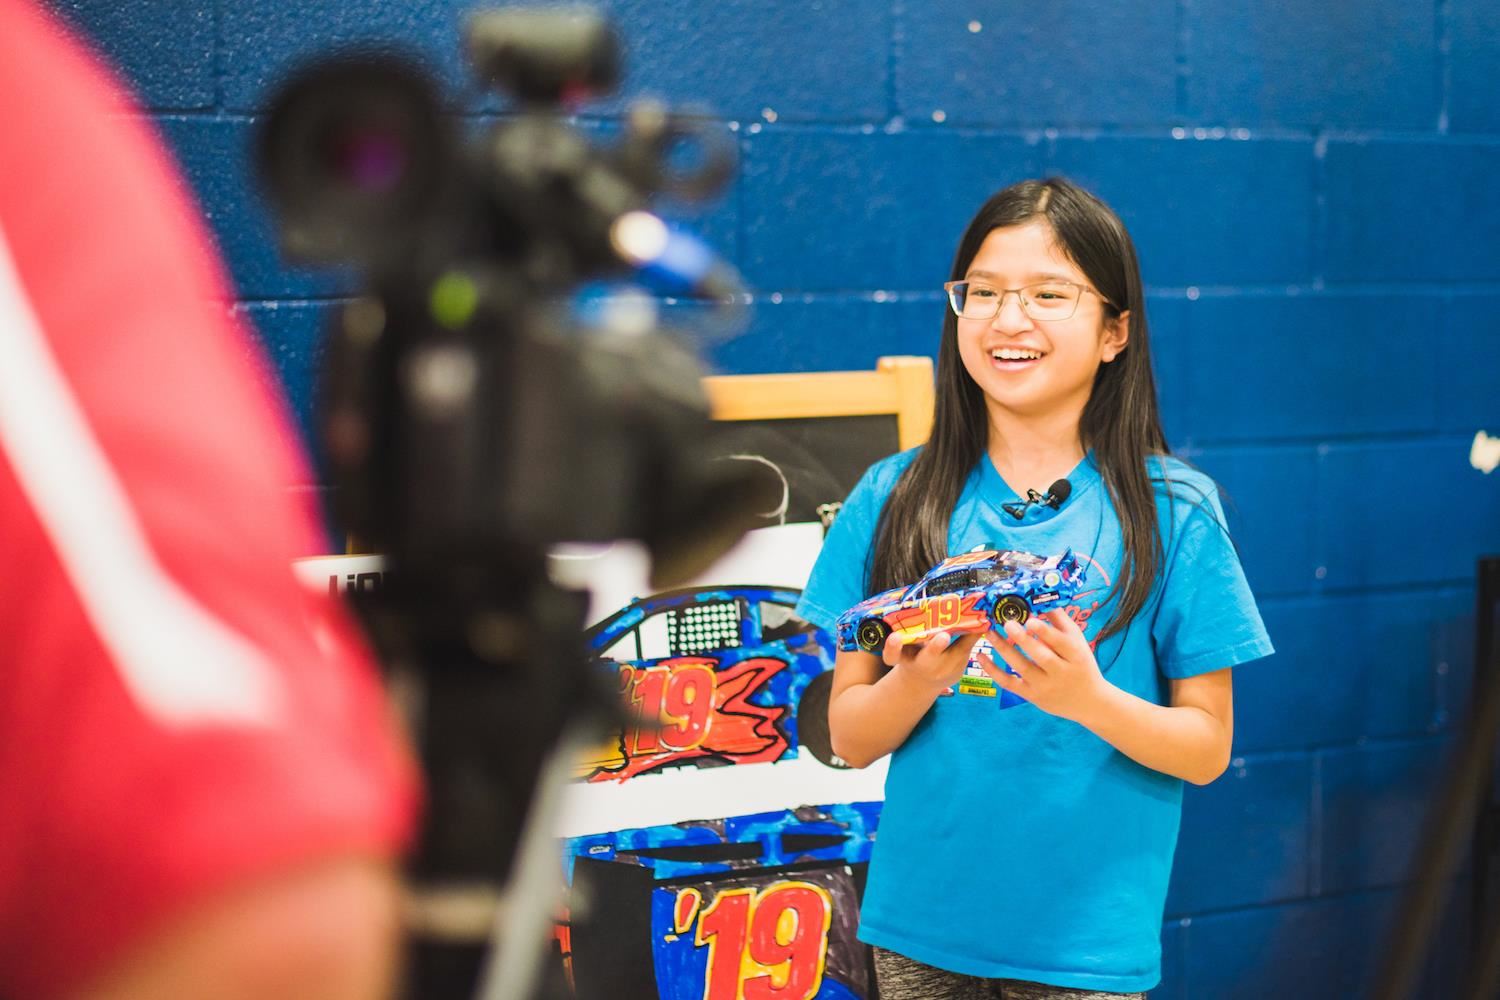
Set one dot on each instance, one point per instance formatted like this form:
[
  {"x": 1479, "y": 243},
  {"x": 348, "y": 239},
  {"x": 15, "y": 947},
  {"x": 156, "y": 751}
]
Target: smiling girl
[{"x": 1025, "y": 853}]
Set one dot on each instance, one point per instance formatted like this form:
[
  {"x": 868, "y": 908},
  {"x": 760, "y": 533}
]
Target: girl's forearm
[
  {"x": 1183, "y": 740},
  {"x": 868, "y": 721}
]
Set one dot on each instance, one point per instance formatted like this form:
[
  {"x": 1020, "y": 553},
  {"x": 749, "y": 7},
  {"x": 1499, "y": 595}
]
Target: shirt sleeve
[
  {"x": 840, "y": 577},
  {"x": 1207, "y": 619},
  {"x": 178, "y": 716}
]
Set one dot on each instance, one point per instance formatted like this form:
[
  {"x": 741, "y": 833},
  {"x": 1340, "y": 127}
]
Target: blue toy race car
[{"x": 973, "y": 592}]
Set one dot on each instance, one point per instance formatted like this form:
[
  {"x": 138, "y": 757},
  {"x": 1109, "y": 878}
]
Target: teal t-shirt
[{"x": 1015, "y": 844}]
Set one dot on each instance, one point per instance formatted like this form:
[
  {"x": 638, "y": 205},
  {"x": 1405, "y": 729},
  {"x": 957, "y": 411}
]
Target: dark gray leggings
[{"x": 901, "y": 978}]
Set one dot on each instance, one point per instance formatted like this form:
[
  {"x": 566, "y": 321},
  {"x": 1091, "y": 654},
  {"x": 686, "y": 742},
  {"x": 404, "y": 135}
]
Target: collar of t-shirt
[{"x": 997, "y": 492}]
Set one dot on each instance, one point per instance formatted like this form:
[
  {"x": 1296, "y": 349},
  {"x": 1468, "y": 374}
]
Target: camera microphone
[
  {"x": 679, "y": 262},
  {"x": 1055, "y": 496}
]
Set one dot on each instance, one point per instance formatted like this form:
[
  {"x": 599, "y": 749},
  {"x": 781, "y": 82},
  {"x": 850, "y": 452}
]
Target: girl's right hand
[{"x": 936, "y": 662}]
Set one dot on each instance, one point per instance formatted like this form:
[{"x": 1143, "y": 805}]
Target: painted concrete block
[
  {"x": 1348, "y": 667},
  {"x": 262, "y": 43},
  {"x": 1167, "y": 319},
  {"x": 1256, "y": 63},
  {"x": 1204, "y": 211},
  {"x": 1468, "y": 356},
  {"x": 739, "y": 59},
  {"x": 1373, "y": 801},
  {"x": 215, "y": 154},
  {"x": 734, "y": 60},
  {"x": 1305, "y": 951},
  {"x": 843, "y": 210},
  {"x": 803, "y": 332},
  {"x": 293, "y": 335},
  {"x": 162, "y": 48},
  {"x": 1474, "y": 33},
  {"x": 1320, "y": 949},
  {"x": 991, "y": 64},
  {"x": 1413, "y": 211},
  {"x": 1453, "y": 651},
  {"x": 1309, "y": 366},
  {"x": 1244, "y": 837},
  {"x": 1174, "y": 944},
  {"x": 1369, "y": 533},
  {"x": 1268, "y": 496}
]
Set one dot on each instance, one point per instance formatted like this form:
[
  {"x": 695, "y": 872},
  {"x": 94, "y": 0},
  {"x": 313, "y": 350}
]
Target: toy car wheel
[
  {"x": 1011, "y": 608},
  {"x": 871, "y": 635}
]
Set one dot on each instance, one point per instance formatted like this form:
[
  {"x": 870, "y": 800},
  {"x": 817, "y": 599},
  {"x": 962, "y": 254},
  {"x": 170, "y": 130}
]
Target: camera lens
[
  {"x": 369, "y": 161},
  {"x": 351, "y": 156}
]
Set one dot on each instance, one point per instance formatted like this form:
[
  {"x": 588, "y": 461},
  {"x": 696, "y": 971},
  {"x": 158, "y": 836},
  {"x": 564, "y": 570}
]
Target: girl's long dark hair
[{"x": 1120, "y": 422}]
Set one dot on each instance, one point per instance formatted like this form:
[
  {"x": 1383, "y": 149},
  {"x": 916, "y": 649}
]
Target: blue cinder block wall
[{"x": 1313, "y": 189}]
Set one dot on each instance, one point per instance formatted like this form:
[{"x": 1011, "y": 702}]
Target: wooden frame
[{"x": 900, "y": 385}]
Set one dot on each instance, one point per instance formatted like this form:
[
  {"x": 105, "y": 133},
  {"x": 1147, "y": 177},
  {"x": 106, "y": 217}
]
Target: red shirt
[{"x": 177, "y": 714}]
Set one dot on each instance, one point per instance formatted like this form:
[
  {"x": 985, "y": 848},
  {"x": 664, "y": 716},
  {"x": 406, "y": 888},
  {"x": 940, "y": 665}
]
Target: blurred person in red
[{"x": 202, "y": 792}]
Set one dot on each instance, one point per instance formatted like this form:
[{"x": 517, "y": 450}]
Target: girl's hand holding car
[
  {"x": 1050, "y": 664},
  {"x": 935, "y": 663}
]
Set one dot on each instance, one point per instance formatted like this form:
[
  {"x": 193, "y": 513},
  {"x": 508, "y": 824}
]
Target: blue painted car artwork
[
  {"x": 762, "y": 902},
  {"x": 758, "y": 905},
  {"x": 973, "y": 592},
  {"x": 708, "y": 677}
]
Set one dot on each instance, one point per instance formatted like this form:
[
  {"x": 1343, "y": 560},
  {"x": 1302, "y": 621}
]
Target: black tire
[
  {"x": 871, "y": 635},
  {"x": 1011, "y": 608},
  {"x": 812, "y": 720}
]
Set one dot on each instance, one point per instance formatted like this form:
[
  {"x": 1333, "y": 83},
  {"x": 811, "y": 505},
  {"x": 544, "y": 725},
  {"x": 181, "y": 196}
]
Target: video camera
[
  {"x": 461, "y": 406},
  {"x": 471, "y": 420}
]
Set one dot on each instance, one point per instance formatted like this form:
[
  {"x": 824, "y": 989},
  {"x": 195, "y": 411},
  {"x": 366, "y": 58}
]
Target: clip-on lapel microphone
[{"x": 1054, "y": 497}]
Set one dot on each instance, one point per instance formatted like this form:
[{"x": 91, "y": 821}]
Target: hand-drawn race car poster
[{"x": 715, "y": 846}]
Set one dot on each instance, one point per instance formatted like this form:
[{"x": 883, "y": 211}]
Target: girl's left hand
[{"x": 1058, "y": 672}]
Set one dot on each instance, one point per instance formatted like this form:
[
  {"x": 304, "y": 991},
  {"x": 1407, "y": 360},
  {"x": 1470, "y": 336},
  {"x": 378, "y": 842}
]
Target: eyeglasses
[{"x": 1045, "y": 300}]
